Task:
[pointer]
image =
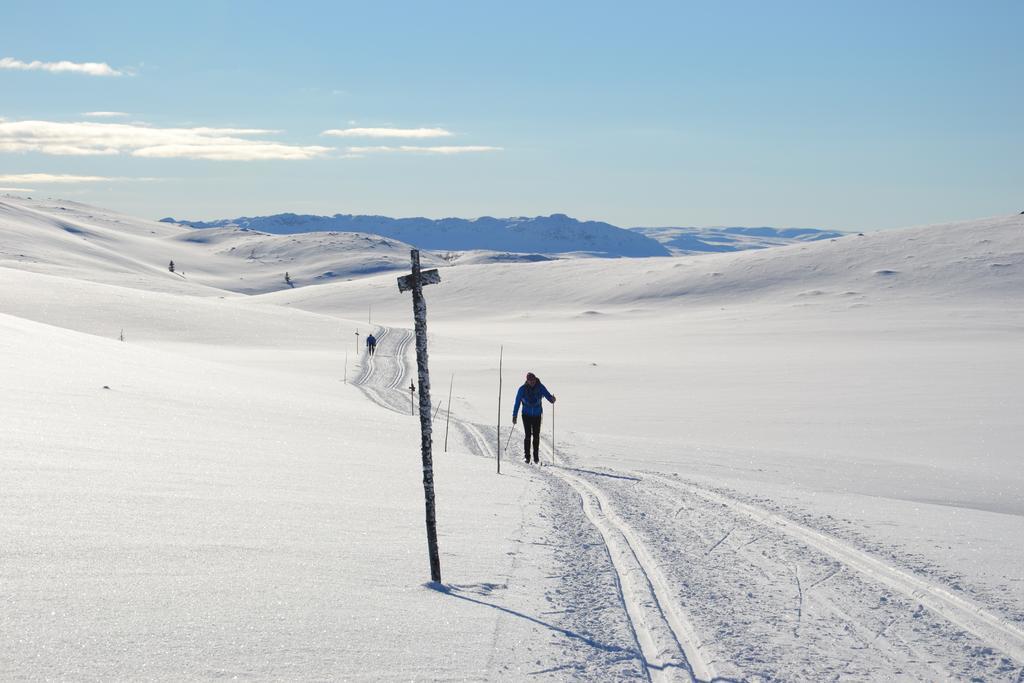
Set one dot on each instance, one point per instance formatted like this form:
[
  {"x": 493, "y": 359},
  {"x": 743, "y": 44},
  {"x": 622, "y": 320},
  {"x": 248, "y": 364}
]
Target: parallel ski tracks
[
  {"x": 389, "y": 361},
  {"x": 965, "y": 614},
  {"x": 669, "y": 643},
  {"x": 668, "y": 647},
  {"x": 473, "y": 432},
  {"x": 398, "y": 379},
  {"x": 666, "y": 637}
]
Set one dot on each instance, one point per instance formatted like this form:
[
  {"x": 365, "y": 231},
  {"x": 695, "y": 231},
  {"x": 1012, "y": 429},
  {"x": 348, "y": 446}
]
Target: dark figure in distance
[
  {"x": 530, "y": 395},
  {"x": 371, "y": 344}
]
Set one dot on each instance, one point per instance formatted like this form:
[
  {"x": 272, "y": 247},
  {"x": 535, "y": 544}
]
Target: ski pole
[
  {"x": 552, "y": 433},
  {"x": 509, "y": 439}
]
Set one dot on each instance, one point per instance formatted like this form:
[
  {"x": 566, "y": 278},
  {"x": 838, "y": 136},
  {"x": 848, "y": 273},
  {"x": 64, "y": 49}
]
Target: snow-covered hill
[
  {"x": 555, "y": 234},
  {"x": 681, "y": 241},
  {"x": 798, "y": 463},
  {"x": 67, "y": 238},
  {"x": 956, "y": 263}
]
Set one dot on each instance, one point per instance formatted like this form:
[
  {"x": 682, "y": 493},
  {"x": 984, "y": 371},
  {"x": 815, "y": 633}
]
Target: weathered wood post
[{"x": 415, "y": 282}]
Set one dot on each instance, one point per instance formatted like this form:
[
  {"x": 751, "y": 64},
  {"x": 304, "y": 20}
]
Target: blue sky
[{"x": 847, "y": 115}]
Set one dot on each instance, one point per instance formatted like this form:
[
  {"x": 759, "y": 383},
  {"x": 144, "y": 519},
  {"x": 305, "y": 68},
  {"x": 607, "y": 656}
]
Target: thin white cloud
[
  {"x": 87, "y": 68},
  {"x": 93, "y": 138},
  {"x": 16, "y": 189},
  {"x": 388, "y": 132},
  {"x": 105, "y": 114},
  {"x": 228, "y": 150},
  {"x": 61, "y": 178},
  {"x": 414, "y": 149}
]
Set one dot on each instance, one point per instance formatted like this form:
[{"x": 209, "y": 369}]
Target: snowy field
[{"x": 800, "y": 463}]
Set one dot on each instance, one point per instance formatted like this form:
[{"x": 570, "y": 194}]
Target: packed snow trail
[
  {"x": 715, "y": 587},
  {"x": 383, "y": 374},
  {"x": 665, "y": 635},
  {"x": 778, "y": 604},
  {"x": 662, "y": 635},
  {"x": 958, "y": 610}
]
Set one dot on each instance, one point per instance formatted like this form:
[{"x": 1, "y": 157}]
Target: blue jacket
[{"x": 531, "y": 400}]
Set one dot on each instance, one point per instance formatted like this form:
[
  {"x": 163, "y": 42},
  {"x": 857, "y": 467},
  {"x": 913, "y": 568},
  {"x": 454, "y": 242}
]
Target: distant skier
[
  {"x": 530, "y": 395},
  {"x": 371, "y": 344}
]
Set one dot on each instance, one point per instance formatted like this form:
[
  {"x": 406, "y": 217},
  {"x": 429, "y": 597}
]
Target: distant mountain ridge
[
  {"x": 682, "y": 241},
  {"x": 554, "y": 234}
]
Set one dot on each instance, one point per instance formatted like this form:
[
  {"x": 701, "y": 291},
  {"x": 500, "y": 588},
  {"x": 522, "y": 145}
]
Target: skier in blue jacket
[{"x": 530, "y": 395}]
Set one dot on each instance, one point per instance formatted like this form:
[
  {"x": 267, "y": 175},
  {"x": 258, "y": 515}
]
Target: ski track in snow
[
  {"x": 662, "y": 634},
  {"x": 384, "y": 373},
  {"x": 967, "y": 615},
  {"x": 715, "y": 588},
  {"x": 662, "y": 630},
  {"x": 381, "y": 382}
]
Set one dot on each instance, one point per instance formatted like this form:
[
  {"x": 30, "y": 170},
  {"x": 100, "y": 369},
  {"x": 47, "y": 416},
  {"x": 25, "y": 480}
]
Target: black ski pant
[{"x": 531, "y": 423}]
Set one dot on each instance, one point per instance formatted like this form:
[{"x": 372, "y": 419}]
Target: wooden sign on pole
[{"x": 415, "y": 282}]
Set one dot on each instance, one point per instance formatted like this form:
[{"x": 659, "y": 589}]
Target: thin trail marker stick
[
  {"x": 501, "y": 355},
  {"x": 448, "y": 413},
  {"x": 436, "y": 411}
]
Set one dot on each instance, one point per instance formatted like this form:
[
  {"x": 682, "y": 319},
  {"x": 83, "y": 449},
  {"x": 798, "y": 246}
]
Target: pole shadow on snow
[
  {"x": 600, "y": 474},
  {"x": 456, "y": 591}
]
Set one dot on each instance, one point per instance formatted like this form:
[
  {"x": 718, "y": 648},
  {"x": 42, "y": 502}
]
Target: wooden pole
[
  {"x": 497, "y": 450},
  {"x": 448, "y": 413},
  {"x": 415, "y": 282}
]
